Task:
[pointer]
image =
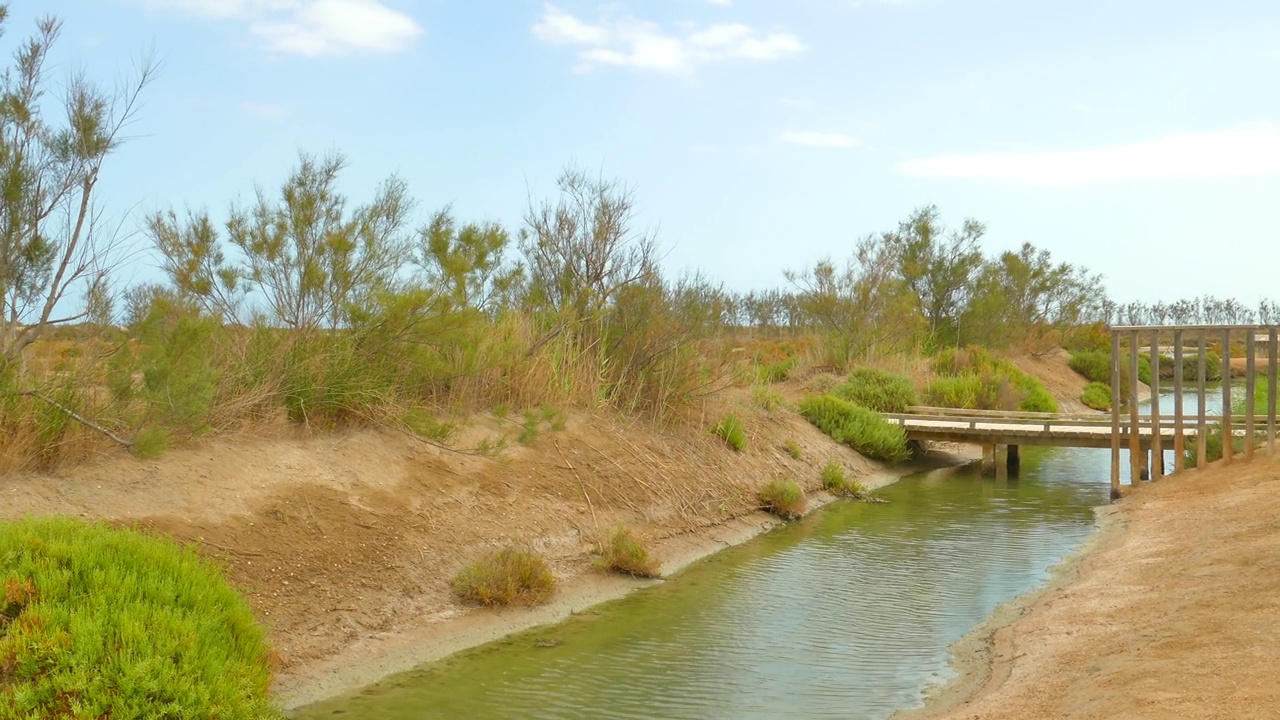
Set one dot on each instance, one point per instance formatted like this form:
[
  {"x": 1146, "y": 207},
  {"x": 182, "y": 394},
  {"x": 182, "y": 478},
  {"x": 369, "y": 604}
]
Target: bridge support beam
[
  {"x": 988, "y": 459},
  {"x": 1013, "y": 461}
]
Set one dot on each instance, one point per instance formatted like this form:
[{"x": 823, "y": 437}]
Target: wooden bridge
[{"x": 1145, "y": 436}]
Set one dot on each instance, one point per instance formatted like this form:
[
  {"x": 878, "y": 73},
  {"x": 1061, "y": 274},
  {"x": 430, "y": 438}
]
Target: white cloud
[
  {"x": 1243, "y": 151},
  {"x": 810, "y": 138},
  {"x": 641, "y": 44},
  {"x": 312, "y": 27}
]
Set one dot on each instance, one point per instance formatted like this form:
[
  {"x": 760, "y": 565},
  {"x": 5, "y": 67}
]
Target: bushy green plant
[
  {"x": 98, "y": 622},
  {"x": 975, "y": 379},
  {"x": 732, "y": 431},
  {"x": 510, "y": 576},
  {"x": 793, "y": 449},
  {"x": 784, "y": 498},
  {"x": 776, "y": 372},
  {"x": 877, "y": 390},
  {"x": 837, "y": 482},
  {"x": 956, "y": 391},
  {"x": 622, "y": 552},
  {"x": 1094, "y": 365},
  {"x": 861, "y": 429},
  {"x": 1097, "y": 396}
]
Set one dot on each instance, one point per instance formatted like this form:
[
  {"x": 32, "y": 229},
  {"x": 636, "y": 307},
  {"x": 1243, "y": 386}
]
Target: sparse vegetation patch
[
  {"x": 622, "y": 552},
  {"x": 784, "y": 498},
  {"x": 510, "y": 576}
]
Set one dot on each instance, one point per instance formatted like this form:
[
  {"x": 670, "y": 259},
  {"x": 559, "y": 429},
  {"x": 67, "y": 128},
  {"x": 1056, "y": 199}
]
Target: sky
[{"x": 1137, "y": 138}]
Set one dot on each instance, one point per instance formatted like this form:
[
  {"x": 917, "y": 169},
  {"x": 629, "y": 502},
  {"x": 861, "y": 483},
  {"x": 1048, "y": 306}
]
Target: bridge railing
[{"x": 1225, "y": 336}]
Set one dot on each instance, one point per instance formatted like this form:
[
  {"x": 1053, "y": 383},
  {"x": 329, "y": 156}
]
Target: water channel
[{"x": 845, "y": 614}]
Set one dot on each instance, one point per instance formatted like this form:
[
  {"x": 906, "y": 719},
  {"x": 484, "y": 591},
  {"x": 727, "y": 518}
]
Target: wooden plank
[
  {"x": 1273, "y": 375},
  {"x": 1135, "y": 443},
  {"x": 1157, "y": 447},
  {"x": 1201, "y": 424},
  {"x": 1179, "y": 437},
  {"x": 1228, "y": 446},
  {"x": 1115, "y": 415},
  {"x": 1250, "y": 387}
]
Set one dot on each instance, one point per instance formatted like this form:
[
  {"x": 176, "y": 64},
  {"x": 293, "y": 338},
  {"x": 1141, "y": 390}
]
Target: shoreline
[
  {"x": 976, "y": 657},
  {"x": 373, "y": 660}
]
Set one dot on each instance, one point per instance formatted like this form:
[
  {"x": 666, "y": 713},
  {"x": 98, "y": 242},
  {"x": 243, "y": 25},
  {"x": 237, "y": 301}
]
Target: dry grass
[
  {"x": 622, "y": 552},
  {"x": 510, "y": 576}
]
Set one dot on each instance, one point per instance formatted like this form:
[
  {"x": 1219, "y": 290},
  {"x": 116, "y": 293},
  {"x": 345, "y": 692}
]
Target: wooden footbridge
[{"x": 1145, "y": 436}]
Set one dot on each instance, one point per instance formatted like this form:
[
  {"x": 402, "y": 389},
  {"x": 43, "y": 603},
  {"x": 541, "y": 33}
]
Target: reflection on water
[{"x": 846, "y": 614}]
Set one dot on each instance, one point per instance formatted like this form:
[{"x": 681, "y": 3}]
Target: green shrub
[
  {"x": 1097, "y": 396},
  {"x": 793, "y": 449},
  {"x": 623, "y": 553},
  {"x": 837, "y": 482},
  {"x": 97, "y": 622},
  {"x": 975, "y": 379},
  {"x": 861, "y": 429},
  {"x": 732, "y": 431},
  {"x": 784, "y": 498},
  {"x": 766, "y": 399},
  {"x": 1035, "y": 396},
  {"x": 1094, "y": 365},
  {"x": 776, "y": 372},
  {"x": 877, "y": 390},
  {"x": 959, "y": 391},
  {"x": 509, "y": 576}
]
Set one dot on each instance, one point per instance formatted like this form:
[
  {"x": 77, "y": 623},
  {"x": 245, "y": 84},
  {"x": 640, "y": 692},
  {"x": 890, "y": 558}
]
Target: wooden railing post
[
  {"x": 1179, "y": 442},
  {"x": 1202, "y": 426},
  {"x": 1135, "y": 435},
  {"x": 1228, "y": 432},
  {"x": 1157, "y": 439},
  {"x": 1250, "y": 367},
  {"x": 1273, "y": 375},
  {"x": 1115, "y": 415}
]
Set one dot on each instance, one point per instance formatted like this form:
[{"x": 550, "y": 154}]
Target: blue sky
[{"x": 1138, "y": 138}]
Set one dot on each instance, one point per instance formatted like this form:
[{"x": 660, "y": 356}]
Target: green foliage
[
  {"x": 861, "y": 429},
  {"x": 837, "y": 482},
  {"x": 766, "y": 399},
  {"x": 621, "y": 552},
  {"x": 975, "y": 379},
  {"x": 938, "y": 267},
  {"x": 510, "y": 576},
  {"x": 793, "y": 449},
  {"x": 784, "y": 498},
  {"x": 99, "y": 623},
  {"x": 776, "y": 372},
  {"x": 425, "y": 425},
  {"x": 732, "y": 431},
  {"x": 1097, "y": 396},
  {"x": 1094, "y": 365},
  {"x": 877, "y": 390}
]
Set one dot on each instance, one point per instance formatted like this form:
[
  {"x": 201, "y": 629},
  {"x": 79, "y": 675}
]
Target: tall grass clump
[
  {"x": 732, "y": 431},
  {"x": 877, "y": 390},
  {"x": 861, "y": 429},
  {"x": 622, "y": 552},
  {"x": 975, "y": 379},
  {"x": 1097, "y": 396},
  {"x": 784, "y": 498},
  {"x": 104, "y": 623},
  {"x": 837, "y": 482},
  {"x": 510, "y": 576}
]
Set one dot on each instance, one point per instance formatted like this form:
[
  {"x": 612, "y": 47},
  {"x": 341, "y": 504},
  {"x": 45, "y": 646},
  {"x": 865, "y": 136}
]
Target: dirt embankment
[
  {"x": 345, "y": 544},
  {"x": 1174, "y": 615}
]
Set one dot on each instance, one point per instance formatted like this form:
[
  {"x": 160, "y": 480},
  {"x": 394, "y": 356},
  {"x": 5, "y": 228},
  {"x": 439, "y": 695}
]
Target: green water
[{"x": 846, "y": 614}]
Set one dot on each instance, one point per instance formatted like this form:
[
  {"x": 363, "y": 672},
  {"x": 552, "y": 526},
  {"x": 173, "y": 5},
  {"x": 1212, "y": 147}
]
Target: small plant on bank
[
  {"x": 97, "y": 622},
  {"x": 837, "y": 482},
  {"x": 1096, "y": 396},
  {"x": 622, "y": 552},
  {"x": 510, "y": 576},
  {"x": 766, "y": 399},
  {"x": 732, "y": 431},
  {"x": 793, "y": 449},
  {"x": 784, "y": 498}
]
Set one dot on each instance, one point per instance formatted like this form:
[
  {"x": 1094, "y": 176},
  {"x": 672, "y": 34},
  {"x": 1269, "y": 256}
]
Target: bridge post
[
  {"x": 1002, "y": 468},
  {"x": 1136, "y": 460},
  {"x": 1228, "y": 432},
  {"x": 1202, "y": 424},
  {"x": 1157, "y": 440},
  {"x": 1179, "y": 428},
  {"x": 1115, "y": 415},
  {"x": 988, "y": 459},
  {"x": 1013, "y": 460},
  {"x": 1249, "y": 391},
  {"x": 1273, "y": 374}
]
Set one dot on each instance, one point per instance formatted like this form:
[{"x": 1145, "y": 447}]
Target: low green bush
[
  {"x": 975, "y": 379},
  {"x": 861, "y": 429},
  {"x": 1094, "y": 365},
  {"x": 877, "y": 390},
  {"x": 97, "y": 622},
  {"x": 776, "y": 372},
  {"x": 510, "y": 576},
  {"x": 1097, "y": 396},
  {"x": 793, "y": 449},
  {"x": 837, "y": 482},
  {"x": 732, "y": 431},
  {"x": 784, "y": 498},
  {"x": 621, "y": 552}
]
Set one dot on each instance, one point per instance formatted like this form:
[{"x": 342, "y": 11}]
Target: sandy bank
[{"x": 1170, "y": 611}]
